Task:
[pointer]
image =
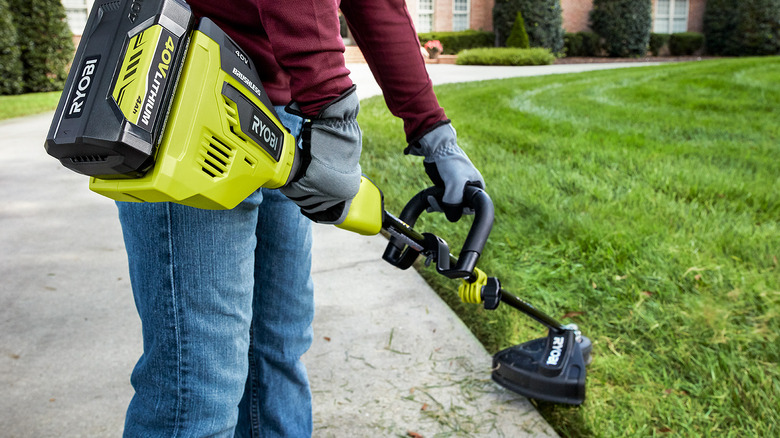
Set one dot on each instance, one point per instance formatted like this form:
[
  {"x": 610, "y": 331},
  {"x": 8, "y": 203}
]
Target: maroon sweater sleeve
[
  {"x": 305, "y": 39},
  {"x": 296, "y": 45},
  {"x": 298, "y": 50},
  {"x": 385, "y": 34}
]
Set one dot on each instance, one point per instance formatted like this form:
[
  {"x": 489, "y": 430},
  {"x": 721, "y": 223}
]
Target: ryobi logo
[
  {"x": 78, "y": 96},
  {"x": 557, "y": 350},
  {"x": 256, "y": 124},
  {"x": 265, "y": 132},
  {"x": 135, "y": 8}
]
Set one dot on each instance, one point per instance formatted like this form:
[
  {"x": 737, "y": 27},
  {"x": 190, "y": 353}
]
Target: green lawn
[
  {"x": 642, "y": 204},
  {"x": 26, "y": 104}
]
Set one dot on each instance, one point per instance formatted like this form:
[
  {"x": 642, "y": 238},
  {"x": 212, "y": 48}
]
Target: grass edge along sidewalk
[
  {"x": 28, "y": 104},
  {"x": 642, "y": 204}
]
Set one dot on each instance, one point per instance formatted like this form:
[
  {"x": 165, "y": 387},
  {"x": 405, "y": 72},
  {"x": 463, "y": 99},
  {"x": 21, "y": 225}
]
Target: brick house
[
  {"x": 447, "y": 15},
  {"x": 669, "y": 16}
]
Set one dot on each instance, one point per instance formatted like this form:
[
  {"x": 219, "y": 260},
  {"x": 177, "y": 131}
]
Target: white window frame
[
  {"x": 466, "y": 13},
  {"x": 665, "y": 22},
  {"x": 425, "y": 16},
  {"x": 77, "y": 13}
]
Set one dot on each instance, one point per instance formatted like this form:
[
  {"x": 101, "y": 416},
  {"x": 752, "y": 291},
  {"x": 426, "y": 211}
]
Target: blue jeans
[{"x": 226, "y": 303}]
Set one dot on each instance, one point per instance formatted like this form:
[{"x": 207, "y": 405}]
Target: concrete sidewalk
[{"x": 389, "y": 356}]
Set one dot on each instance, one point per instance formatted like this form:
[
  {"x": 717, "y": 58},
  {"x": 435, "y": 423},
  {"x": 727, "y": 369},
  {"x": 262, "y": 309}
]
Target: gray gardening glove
[
  {"x": 447, "y": 166},
  {"x": 329, "y": 175}
]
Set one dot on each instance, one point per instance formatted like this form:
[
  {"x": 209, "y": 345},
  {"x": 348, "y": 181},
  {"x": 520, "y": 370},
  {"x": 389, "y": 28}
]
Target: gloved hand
[
  {"x": 329, "y": 175},
  {"x": 447, "y": 166}
]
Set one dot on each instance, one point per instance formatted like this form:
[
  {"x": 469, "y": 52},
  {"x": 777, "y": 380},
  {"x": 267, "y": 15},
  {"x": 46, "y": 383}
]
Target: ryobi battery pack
[{"x": 157, "y": 108}]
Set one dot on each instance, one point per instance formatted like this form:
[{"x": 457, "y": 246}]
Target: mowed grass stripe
[{"x": 643, "y": 203}]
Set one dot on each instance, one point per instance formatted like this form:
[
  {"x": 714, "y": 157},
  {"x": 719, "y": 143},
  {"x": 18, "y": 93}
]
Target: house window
[
  {"x": 460, "y": 15},
  {"x": 77, "y": 12},
  {"x": 425, "y": 16},
  {"x": 671, "y": 16}
]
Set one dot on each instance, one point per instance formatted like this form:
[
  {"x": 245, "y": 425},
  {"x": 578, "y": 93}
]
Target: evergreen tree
[
  {"x": 518, "y": 37},
  {"x": 747, "y": 28},
  {"x": 720, "y": 25},
  {"x": 46, "y": 43},
  {"x": 10, "y": 62},
  {"x": 624, "y": 25},
  {"x": 543, "y": 21}
]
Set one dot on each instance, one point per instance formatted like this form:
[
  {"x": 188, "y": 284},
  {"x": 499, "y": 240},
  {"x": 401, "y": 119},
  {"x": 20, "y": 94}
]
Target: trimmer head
[{"x": 549, "y": 369}]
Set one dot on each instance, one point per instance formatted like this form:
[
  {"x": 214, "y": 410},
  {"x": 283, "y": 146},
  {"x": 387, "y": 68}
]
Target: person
[{"x": 225, "y": 297}]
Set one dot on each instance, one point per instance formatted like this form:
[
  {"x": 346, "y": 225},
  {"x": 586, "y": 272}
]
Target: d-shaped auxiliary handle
[{"x": 406, "y": 244}]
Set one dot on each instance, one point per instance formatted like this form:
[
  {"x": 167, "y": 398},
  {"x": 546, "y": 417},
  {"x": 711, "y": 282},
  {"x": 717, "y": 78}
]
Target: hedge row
[
  {"x": 685, "y": 43},
  {"x": 582, "y": 44},
  {"x": 506, "y": 56},
  {"x": 658, "y": 41},
  {"x": 677, "y": 44},
  {"x": 454, "y": 42}
]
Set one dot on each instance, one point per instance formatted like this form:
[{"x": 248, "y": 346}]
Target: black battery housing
[{"x": 89, "y": 133}]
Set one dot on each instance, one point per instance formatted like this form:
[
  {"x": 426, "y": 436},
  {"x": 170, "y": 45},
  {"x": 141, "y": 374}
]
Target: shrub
[
  {"x": 759, "y": 27},
  {"x": 454, "y": 42},
  {"x": 657, "y": 42},
  {"x": 685, "y": 43},
  {"x": 581, "y": 44},
  {"x": 46, "y": 43},
  {"x": 504, "y": 16},
  {"x": 591, "y": 44},
  {"x": 744, "y": 28},
  {"x": 506, "y": 56},
  {"x": 543, "y": 22},
  {"x": 720, "y": 24},
  {"x": 518, "y": 37},
  {"x": 10, "y": 63},
  {"x": 572, "y": 44},
  {"x": 624, "y": 25}
]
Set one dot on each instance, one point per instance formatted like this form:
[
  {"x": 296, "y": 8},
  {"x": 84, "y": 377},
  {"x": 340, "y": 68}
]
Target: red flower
[{"x": 433, "y": 45}]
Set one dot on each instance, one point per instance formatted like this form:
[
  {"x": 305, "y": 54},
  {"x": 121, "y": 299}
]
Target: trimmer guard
[{"x": 550, "y": 369}]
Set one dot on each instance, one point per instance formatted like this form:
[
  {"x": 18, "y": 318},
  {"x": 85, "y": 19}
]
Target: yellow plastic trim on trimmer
[
  {"x": 205, "y": 160},
  {"x": 471, "y": 293},
  {"x": 366, "y": 211}
]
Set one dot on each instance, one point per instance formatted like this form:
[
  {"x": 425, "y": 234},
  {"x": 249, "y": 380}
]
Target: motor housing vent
[{"x": 215, "y": 157}]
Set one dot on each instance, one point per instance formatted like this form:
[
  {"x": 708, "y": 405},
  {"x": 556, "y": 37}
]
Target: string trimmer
[
  {"x": 159, "y": 108},
  {"x": 550, "y": 368}
]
